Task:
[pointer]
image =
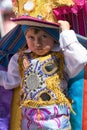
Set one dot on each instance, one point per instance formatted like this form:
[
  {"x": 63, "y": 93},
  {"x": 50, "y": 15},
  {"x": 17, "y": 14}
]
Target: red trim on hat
[{"x": 28, "y": 20}]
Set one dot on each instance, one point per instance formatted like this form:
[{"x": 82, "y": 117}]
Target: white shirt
[{"x": 75, "y": 59}]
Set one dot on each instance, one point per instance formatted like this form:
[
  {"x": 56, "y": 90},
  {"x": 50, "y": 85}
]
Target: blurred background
[{"x": 5, "y": 14}]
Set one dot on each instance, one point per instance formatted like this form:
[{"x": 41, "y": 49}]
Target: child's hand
[{"x": 64, "y": 25}]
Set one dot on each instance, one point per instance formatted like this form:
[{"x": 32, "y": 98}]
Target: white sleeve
[
  {"x": 74, "y": 53},
  {"x": 11, "y": 78}
]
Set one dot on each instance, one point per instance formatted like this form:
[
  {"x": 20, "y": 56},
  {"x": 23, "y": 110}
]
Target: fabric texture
[
  {"x": 84, "y": 121},
  {"x": 76, "y": 93},
  {"x": 15, "y": 113},
  {"x": 5, "y": 106},
  {"x": 10, "y": 44},
  {"x": 76, "y": 15},
  {"x": 43, "y": 72}
]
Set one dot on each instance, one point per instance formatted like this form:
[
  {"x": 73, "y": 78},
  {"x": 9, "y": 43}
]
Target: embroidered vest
[{"x": 42, "y": 78}]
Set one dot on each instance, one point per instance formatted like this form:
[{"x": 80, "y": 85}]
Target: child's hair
[
  {"x": 36, "y": 30},
  {"x": 51, "y": 31}
]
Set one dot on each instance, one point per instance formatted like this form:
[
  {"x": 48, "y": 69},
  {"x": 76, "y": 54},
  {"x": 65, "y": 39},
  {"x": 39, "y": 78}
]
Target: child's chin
[{"x": 41, "y": 53}]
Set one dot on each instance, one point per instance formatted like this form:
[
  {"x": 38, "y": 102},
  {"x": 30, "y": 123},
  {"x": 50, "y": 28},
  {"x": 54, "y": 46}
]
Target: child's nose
[{"x": 38, "y": 42}]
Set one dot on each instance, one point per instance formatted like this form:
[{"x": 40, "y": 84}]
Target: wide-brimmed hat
[
  {"x": 32, "y": 21},
  {"x": 36, "y": 12},
  {"x": 26, "y": 21}
]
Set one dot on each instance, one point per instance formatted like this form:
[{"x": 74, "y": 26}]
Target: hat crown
[{"x": 39, "y": 8}]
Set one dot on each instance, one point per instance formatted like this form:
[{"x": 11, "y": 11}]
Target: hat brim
[{"x": 28, "y": 20}]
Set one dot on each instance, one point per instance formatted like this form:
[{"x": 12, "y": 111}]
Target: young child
[{"x": 43, "y": 71}]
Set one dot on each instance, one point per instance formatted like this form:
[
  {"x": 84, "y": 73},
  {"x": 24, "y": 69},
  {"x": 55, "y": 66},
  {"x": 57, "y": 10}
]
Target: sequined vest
[{"x": 42, "y": 78}]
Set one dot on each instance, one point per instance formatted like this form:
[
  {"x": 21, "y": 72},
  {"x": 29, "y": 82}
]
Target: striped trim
[
  {"x": 82, "y": 40},
  {"x": 32, "y": 21},
  {"x": 10, "y": 44},
  {"x": 84, "y": 122}
]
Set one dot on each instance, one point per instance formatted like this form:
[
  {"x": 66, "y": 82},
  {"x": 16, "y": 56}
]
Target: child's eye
[
  {"x": 31, "y": 38},
  {"x": 44, "y": 36}
]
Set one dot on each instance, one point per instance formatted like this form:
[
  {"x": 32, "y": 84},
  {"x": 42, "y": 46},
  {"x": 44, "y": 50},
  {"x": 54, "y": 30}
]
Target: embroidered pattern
[{"x": 42, "y": 100}]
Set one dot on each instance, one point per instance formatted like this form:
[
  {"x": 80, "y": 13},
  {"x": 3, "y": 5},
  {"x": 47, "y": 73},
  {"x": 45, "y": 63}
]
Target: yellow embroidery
[{"x": 52, "y": 83}]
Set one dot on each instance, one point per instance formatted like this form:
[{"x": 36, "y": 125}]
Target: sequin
[
  {"x": 32, "y": 81},
  {"x": 29, "y": 5},
  {"x": 45, "y": 96},
  {"x": 50, "y": 67}
]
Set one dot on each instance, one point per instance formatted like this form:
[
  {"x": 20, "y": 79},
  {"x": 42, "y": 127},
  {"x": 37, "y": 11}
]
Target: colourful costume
[
  {"x": 48, "y": 108},
  {"x": 44, "y": 106}
]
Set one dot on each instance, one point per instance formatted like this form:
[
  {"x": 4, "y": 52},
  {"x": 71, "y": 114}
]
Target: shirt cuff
[{"x": 67, "y": 37}]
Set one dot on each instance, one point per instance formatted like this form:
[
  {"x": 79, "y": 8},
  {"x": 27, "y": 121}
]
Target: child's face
[{"x": 39, "y": 42}]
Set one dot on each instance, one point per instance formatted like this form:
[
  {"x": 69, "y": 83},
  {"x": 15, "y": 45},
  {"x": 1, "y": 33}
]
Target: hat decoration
[{"x": 41, "y": 9}]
